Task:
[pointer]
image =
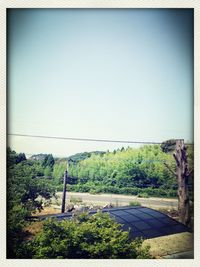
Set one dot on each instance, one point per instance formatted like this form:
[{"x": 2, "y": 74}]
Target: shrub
[
  {"x": 89, "y": 237},
  {"x": 144, "y": 195},
  {"x": 15, "y": 224},
  {"x": 134, "y": 203},
  {"x": 93, "y": 191}
]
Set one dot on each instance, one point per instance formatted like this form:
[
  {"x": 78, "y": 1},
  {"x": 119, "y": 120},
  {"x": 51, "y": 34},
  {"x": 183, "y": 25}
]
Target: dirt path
[{"x": 120, "y": 200}]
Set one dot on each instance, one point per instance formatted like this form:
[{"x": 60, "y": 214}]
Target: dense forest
[
  {"x": 135, "y": 171},
  {"x": 138, "y": 171},
  {"x": 125, "y": 171}
]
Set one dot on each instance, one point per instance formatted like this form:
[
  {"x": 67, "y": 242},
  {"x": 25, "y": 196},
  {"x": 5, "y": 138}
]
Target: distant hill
[
  {"x": 39, "y": 156},
  {"x": 75, "y": 158},
  {"x": 81, "y": 156}
]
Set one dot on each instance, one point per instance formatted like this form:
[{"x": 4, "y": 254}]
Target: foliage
[
  {"x": 25, "y": 189},
  {"x": 157, "y": 192},
  {"x": 81, "y": 156},
  {"x": 58, "y": 171},
  {"x": 15, "y": 224},
  {"x": 125, "y": 171},
  {"x": 89, "y": 237},
  {"x": 168, "y": 146},
  {"x": 143, "y": 195},
  {"x": 47, "y": 172},
  {"x": 134, "y": 203},
  {"x": 14, "y": 158}
]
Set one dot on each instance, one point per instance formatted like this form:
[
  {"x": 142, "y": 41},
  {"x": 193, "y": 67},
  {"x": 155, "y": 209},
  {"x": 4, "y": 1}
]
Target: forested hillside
[
  {"x": 123, "y": 171},
  {"x": 126, "y": 171}
]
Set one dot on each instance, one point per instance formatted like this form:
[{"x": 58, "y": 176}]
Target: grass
[
  {"x": 46, "y": 211},
  {"x": 76, "y": 200},
  {"x": 143, "y": 195},
  {"x": 134, "y": 203},
  {"x": 166, "y": 245}
]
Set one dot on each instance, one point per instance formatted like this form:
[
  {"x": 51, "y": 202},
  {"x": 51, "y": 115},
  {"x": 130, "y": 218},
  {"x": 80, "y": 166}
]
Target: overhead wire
[{"x": 88, "y": 139}]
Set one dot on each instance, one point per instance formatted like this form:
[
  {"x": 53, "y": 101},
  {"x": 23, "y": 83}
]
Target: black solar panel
[
  {"x": 147, "y": 223},
  {"x": 140, "y": 221}
]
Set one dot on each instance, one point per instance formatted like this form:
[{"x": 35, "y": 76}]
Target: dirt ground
[
  {"x": 47, "y": 210},
  {"x": 171, "y": 244}
]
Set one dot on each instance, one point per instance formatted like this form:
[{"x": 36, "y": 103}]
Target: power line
[{"x": 86, "y": 139}]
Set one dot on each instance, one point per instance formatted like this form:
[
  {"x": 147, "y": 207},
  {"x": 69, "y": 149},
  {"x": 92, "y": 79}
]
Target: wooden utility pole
[
  {"x": 182, "y": 174},
  {"x": 64, "y": 189}
]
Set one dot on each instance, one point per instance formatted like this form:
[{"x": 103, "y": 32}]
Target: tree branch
[
  {"x": 176, "y": 159},
  {"x": 173, "y": 172}
]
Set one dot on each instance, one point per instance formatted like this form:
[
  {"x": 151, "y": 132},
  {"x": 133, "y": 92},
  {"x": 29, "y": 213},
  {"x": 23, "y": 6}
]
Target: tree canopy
[{"x": 26, "y": 186}]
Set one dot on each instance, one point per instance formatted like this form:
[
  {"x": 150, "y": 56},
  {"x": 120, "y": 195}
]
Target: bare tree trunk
[{"x": 182, "y": 173}]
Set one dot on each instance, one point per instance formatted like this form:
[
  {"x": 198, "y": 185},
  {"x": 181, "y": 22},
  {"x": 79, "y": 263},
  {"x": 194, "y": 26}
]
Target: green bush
[
  {"x": 27, "y": 192},
  {"x": 151, "y": 192},
  {"x": 93, "y": 191},
  {"x": 134, "y": 203},
  {"x": 83, "y": 237},
  {"x": 143, "y": 195},
  {"x": 60, "y": 188},
  {"x": 15, "y": 224}
]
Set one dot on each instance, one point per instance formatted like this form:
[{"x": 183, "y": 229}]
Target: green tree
[
  {"x": 58, "y": 171},
  {"x": 25, "y": 191},
  {"x": 48, "y": 161},
  {"x": 47, "y": 172}
]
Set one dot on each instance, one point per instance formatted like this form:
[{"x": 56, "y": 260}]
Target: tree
[
  {"x": 14, "y": 158},
  {"x": 131, "y": 168},
  {"x": 58, "y": 171},
  {"x": 23, "y": 191},
  {"x": 47, "y": 172},
  {"x": 182, "y": 174},
  {"x": 48, "y": 161}
]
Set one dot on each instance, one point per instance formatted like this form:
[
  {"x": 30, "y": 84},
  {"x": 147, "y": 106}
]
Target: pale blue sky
[{"x": 99, "y": 73}]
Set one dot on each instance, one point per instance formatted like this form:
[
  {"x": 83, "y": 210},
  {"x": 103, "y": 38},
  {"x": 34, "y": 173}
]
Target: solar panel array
[
  {"x": 140, "y": 221},
  {"x": 145, "y": 222}
]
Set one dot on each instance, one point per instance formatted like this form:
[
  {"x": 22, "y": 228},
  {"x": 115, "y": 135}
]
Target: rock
[
  {"x": 108, "y": 206},
  {"x": 70, "y": 208},
  {"x": 79, "y": 208}
]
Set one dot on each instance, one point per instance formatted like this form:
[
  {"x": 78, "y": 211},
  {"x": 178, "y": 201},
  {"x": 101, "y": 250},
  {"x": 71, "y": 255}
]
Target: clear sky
[{"x": 99, "y": 73}]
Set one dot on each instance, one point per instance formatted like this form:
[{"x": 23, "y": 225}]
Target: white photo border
[{"x": 4, "y": 5}]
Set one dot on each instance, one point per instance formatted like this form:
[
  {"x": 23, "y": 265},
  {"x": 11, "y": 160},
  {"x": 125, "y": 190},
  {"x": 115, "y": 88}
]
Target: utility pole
[{"x": 64, "y": 188}]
